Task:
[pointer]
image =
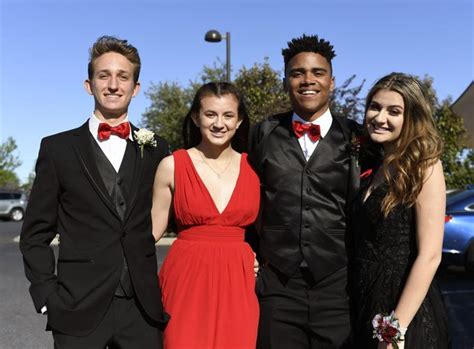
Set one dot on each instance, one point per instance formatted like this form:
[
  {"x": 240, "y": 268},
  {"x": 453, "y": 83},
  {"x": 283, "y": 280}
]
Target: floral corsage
[
  {"x": 387, "y": 329},
  {"x": 357, "y": 141},
  {"x": 144, "y": 138}
]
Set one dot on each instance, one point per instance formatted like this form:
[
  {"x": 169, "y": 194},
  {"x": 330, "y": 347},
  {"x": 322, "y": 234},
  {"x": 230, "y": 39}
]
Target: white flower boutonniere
[{"x": 144, "y": 138}]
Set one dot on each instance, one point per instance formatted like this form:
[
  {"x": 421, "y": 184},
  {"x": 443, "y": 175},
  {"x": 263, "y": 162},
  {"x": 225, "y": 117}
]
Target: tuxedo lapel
[
  {"x": 354, "y": 168},
  {"x": 137, "y": 171},
  {"x": 83, "y": 148}
]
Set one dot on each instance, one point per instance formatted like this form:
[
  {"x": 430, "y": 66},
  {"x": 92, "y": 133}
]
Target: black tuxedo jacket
[
  {"x": 303, "y": 214},
  {"x": 69, "y": 197}
]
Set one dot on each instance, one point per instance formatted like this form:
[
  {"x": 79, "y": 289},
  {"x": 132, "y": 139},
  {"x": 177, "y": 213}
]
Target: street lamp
[{"x": 215, "y": 36}]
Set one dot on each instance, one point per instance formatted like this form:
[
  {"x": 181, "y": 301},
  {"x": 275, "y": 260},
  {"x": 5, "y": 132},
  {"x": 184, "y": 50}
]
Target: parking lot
[{"x": 22, "y": 328}]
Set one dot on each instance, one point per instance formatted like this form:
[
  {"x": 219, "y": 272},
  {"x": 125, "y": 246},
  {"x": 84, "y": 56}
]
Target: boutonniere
[
  {"x": 144, "y": 138},
  {"x": 355, "y": 146}
]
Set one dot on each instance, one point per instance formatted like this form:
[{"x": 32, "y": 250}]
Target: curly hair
[
  {"x": 419, "y": 145},
  {"x": 106, "y": 44},
  {"x": 192, "y": 134},
  {"x": 308, "y": 43}
]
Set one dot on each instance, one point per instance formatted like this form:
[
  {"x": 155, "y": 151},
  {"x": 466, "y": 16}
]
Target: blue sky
[{"x": 44, "y": 48}]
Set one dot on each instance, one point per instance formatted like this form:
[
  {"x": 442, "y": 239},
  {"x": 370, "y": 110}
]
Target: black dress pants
[
  {"x": 299, "y": 313},
  {"x": 124, "y": 326}
]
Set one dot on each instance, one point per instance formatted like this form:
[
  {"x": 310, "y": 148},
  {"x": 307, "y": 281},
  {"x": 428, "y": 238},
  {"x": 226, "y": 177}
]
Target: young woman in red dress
[{"x": 208, "y": 278}]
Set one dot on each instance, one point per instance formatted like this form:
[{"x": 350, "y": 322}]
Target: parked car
[
  {"x": 458, "y": 244},
  {"x": 12, "y": 205}
]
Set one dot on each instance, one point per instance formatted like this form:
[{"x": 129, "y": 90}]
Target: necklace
[{"x": 218, "y": 174}]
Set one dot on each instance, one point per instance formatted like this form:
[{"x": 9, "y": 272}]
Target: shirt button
[
  {"x": 121, "y": 203},
  {"x": 308, "y": 190},
  {"x": 306, "y": 208},
  {"x": 119, "y": 182},
  {"x": 306, "y": 225},
  {"x": 308, "y": 171}
]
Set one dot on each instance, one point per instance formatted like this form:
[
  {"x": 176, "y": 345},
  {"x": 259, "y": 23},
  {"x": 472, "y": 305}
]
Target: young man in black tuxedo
[
  {"x": 308, "y": 176},
  {"x": 93, "y": 186}
]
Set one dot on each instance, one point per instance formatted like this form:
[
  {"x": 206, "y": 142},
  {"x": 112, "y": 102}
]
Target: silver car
[{"x": 12, "y": 205}]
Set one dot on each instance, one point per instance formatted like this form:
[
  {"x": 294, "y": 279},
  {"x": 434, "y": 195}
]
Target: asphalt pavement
[{"x": 22, "y": 328}]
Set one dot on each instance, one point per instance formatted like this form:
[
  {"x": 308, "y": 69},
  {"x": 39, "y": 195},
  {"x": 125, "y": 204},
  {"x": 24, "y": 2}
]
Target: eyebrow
[
  {"x": 120, "y": 71},
  {"x": 390, "y": 106},
  {"x": 301, "y": 69}
]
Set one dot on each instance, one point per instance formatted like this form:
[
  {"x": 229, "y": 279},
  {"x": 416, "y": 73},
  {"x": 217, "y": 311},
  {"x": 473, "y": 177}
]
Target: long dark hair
[{"x": 192, "y": 134}]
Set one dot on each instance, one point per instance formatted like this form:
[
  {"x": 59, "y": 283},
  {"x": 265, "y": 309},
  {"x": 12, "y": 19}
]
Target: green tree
[
  {"x": 9, "y": 161},
  {"x": 263, "y": 89},
  {"x": 457, "y": 160},
  {"x": 261, "y": 85},
  {"x": 9, "y": 180},
  {"x": 458, "y": 169},
  {"x": 169, "y": 104}
]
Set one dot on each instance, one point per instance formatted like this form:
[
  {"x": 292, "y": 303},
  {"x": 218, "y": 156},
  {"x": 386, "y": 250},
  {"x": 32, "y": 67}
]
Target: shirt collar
[
  {"x": 94, "y": 126},
  {"x": 324, "y": 121}
]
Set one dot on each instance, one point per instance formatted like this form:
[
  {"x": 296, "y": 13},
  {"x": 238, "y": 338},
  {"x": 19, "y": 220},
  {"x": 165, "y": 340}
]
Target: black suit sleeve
[
  {"x": 162, "y": 148},
  {"x": 39, "y": 229}
]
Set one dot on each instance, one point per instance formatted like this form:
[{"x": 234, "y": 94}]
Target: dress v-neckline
[{"x": 220, "y": 213}]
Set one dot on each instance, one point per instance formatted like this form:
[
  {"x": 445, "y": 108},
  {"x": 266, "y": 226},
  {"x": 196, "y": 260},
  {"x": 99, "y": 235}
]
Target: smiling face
[
  {"x": 309, "y": 83},
  {"x": 218, "y": 119},
  {"x": 384, "y": 118},
  {"x": 112, "y": 86}
]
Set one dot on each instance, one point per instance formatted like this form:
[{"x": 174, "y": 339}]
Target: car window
[
  {"x": 16, "y": 196},
  {"x": 4, "y": 196},
  {"x": 459, "y": 196}
]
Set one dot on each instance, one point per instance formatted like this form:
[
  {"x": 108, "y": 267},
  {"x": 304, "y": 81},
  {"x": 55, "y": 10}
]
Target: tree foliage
[
  {"x": 458, "y": 169},
  {"x": 346, "y": 100},
  {"x": 261, "y": 86},
  {"x": 457, "y": 160},
  {"x": 9, "y": 161}
]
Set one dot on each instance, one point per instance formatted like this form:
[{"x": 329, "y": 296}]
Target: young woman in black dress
[{"x": 398, "y": 222}]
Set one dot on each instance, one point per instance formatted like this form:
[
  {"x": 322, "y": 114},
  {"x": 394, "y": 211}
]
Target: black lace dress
[{"x": 383, "y": 251}]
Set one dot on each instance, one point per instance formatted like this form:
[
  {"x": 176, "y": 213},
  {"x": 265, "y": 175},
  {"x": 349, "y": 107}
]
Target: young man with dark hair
[
  {"x": 308, "y": 176},
  {"x": 93, "y": 187}
]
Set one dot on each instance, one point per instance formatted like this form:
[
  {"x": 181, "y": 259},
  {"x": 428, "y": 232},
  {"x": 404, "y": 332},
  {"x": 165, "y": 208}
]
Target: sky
[{"x": 44, "y": 48}]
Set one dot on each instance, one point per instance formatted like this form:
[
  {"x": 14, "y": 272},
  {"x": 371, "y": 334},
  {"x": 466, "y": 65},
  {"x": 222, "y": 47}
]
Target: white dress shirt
[
  {"x": 114, "y": 147},
  {"x": 307, "y": 145}
]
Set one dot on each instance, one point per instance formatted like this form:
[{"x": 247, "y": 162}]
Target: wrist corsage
[{"x": 387, "y": 329}]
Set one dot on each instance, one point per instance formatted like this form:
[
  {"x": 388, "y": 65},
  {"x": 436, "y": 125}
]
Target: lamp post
[{"x": 215, "y": 36}]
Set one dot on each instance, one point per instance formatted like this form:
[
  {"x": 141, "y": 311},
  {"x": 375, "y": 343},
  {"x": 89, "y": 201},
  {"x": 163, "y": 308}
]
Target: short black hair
[{"x": 308, "y": 43}]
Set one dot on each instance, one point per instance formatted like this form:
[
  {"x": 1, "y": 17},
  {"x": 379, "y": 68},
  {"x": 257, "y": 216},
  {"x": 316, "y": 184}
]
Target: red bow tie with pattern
[
  {"x": 313, "y": 131},
  {"x": 105, "y": 131}
]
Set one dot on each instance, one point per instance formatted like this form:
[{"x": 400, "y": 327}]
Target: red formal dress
[{"x": 207, "y": 279}]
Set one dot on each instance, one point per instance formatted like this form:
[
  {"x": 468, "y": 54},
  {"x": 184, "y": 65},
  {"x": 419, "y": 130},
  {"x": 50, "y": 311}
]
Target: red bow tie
[
  {"x": 314, "y": 132},
  {"x": 105, "y": 131}
]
